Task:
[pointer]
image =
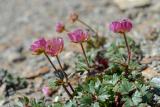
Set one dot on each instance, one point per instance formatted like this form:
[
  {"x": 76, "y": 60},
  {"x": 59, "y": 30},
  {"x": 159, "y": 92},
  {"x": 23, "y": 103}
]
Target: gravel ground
[{"x": 22, "y": 21}]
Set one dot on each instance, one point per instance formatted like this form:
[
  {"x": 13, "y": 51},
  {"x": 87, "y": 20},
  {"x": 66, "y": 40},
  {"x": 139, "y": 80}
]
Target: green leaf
[
  {"x": 96, "y": 104},
  {"x": 58, "y": 104},
  {"x": 86, "y": 100},
  {"x": 52, "y": 84},
  {"x": 144, "y": 89},
  {"x": 97, "y": 84},
  {"x": 70, "y": 103},
  {"x": 128, "y": 103},
  {"x": 114, "y": 79},
  {"x": 143, "y": 105},
  {"x": 125, "y": 87},
  {"x": 103, "y": 97},
  {"x": 148, "y": 97},
  {"x": 91, "y": 87},
  {"x": 81, "y": 67},
  {"x": 137, "y": 98}
]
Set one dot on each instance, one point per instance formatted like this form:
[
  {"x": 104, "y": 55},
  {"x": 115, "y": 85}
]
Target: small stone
[
  {"x": 152, "y": 34},
  {"x": 2, "y": 90},
  {"x": 155, "y": 7},
  {"x": 38, "y": 83},
  {"x": 2, "y": 101},
  {"x": 20, "y": 49},
  {"x": 149, "y": 73},
  {"x": 41, "y": 71},
  {"x": 148, "y": 60},
  {"x": 126, "y": 4},
  {"x": 156, "y": 81},
  {"x": 19, "y": 59},
  {"x": 154, "y": 63},
  {"x": 3, "y": 47}
]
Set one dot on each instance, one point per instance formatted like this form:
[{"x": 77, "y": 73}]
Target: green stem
[
  {"x": 128, "y": 48},
  {"x": 50, "y": 62},
  {"x": 129, "y": 54},
  {"x": 61, "y": 67},
  {"x": 69, "y": 94},
  {"x": 64, "y": 73},
  {"x": 85, "y": 56}
]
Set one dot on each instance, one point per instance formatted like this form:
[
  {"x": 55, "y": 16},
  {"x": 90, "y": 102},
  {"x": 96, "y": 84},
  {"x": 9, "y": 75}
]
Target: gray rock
[
  {"x": 125, "y": 4},
  {"x": 155, "y": 7},
  {"x": 2, "y": 94},
  {"x": 156, "y": 81}
]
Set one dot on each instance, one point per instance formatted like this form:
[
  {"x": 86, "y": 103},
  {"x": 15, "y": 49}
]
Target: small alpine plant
[{"x": 110, "y": 75}]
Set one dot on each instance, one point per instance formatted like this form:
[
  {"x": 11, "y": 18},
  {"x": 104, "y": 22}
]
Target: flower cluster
[{"x": 53, "y": 47}]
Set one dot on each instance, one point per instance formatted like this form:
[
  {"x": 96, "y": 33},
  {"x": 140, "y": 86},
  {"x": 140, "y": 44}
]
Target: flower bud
[
  {"x": 60, "y": 27},
  {"x": 47, "y": 91},
  {"x": 73, "y": 17}
]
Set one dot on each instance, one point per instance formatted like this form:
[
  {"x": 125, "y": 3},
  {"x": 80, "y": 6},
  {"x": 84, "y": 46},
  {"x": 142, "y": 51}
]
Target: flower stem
[
  {"x": 71, "y": 87},
  {"x": 85, "y": 56},
  {"x": 129, "y": 54},
  {"x": 64, "y": 73},
  {"x": 69, "y": 94},
  {"x": 128, "y": 49},
  {"x": 50, "y": 62},
  {"x": 85, "y": 24},
  {"x": 61, "y": 67}
]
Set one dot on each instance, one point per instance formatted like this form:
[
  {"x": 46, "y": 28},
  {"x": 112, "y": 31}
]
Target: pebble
[
  {"x": 155, "y": 7},
  {"x": 2, "y": 90},
  {"x": 156, "y": 81},
  {"x": 126, "y": 4},
  {"x": 150, "y": 73},
  {"x": 19, "y": 59},
  {"x": 38, "y": 83},
  {"x": 39, "y": 72}
]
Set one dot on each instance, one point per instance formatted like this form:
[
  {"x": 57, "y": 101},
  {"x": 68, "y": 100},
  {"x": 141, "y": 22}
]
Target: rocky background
[{"x": 22, "y": 21}]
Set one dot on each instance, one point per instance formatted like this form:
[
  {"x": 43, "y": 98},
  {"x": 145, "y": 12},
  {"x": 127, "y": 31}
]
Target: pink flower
[
  {"x": 47, "y": 91},
  {"x": 38, "y": 46},
  {"x": 73, "y": 17},
  {"x": 54, "y": 46},
  {"x": 121, "y": 26},
  {"x": 78, "y": 36},
  {"x": 60, "y": 27}
]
